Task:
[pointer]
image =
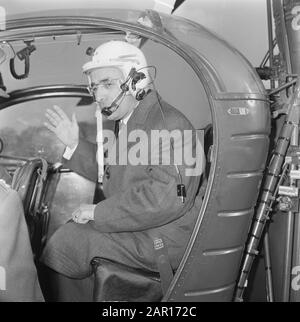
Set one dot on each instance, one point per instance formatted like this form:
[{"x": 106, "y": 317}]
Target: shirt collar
[
  {"x": 125, "y": 120},
  {"x": 141, "y": 113}
]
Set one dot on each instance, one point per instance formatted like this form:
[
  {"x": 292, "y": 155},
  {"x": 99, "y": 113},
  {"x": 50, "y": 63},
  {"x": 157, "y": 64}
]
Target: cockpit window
[{"x": 24, "y": 134}]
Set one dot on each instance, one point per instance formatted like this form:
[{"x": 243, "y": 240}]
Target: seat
[
  {"x": 119, "y": 282},
  {"x": 29, "y": 181}
]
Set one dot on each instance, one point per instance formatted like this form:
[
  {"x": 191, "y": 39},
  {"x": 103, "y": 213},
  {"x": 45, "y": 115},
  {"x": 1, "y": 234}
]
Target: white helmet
[{"x": 123, "y": 56}]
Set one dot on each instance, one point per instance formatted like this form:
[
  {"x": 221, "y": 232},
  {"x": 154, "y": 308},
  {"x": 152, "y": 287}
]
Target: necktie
[{"x": 119, "y": 125}]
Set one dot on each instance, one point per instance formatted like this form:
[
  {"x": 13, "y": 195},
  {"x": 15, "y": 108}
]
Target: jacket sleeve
[{"x": 83, "y": 160}]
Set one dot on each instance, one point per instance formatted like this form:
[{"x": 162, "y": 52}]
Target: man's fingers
[
  {"x": 61, "y": 113},
  {"x": 50, "y": 127},
  {"x": 54, "y": 115},
  {"x": 80, "y": 215},
  {"x": 78, "y": 218},
  {"x": 82, "y": 221},
  {"x": 76, "y": 212},
  {"x": 76, "y": 215},
  {"x": 51, "y": 119}
]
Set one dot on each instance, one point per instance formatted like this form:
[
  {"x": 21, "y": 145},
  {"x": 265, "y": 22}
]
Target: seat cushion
[{"x": 118, "y": 282}]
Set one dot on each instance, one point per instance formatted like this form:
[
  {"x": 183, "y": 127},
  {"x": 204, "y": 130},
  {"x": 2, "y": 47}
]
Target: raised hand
[{"x": 65, "y": 129}]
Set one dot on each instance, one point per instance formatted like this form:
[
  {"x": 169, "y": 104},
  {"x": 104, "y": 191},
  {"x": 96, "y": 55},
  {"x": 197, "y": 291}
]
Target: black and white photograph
[{"x": 149, "y": 154}]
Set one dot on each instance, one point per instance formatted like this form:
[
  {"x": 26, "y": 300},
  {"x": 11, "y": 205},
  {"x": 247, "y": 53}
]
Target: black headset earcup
[
  {"x": 124, "y": 87},
  {"x": 140, "y": 94},
  {"x": 136, "y": 77}
]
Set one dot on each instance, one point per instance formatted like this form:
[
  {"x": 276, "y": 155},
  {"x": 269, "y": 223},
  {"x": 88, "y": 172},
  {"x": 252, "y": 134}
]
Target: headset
[{"x": 134, "y": 76}]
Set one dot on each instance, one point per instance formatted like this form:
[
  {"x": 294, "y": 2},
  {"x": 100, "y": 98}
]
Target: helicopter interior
[
  {"x": 233, "y": 122},
  {"x": 27, "y": 144}
]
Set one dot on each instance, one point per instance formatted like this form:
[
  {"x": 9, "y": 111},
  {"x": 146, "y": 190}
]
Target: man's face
[{"x": 107, "y": 81}]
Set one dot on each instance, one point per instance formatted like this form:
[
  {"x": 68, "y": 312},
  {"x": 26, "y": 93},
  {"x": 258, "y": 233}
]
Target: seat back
[{"x": 29, "y": 181}]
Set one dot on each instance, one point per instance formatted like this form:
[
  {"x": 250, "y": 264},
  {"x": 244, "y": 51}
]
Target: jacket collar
[{"x": 141, "y": 112}]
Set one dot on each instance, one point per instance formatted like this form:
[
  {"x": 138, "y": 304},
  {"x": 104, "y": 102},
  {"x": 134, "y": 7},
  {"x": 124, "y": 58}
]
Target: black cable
[{"x": 13, "y": 71}]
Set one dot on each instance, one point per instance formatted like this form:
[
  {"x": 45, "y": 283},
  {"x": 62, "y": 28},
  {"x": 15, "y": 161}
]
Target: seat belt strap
[{"x": 163, "y": 263}]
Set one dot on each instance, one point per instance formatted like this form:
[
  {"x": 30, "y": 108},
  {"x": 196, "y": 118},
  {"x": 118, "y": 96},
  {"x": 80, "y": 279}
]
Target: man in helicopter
[{"x": 142, "y": 201}]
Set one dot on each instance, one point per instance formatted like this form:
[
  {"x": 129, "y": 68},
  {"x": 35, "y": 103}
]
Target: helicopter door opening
[
  {"x": 25, "y": 137},
  {"x": 225, "y": 93}
]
